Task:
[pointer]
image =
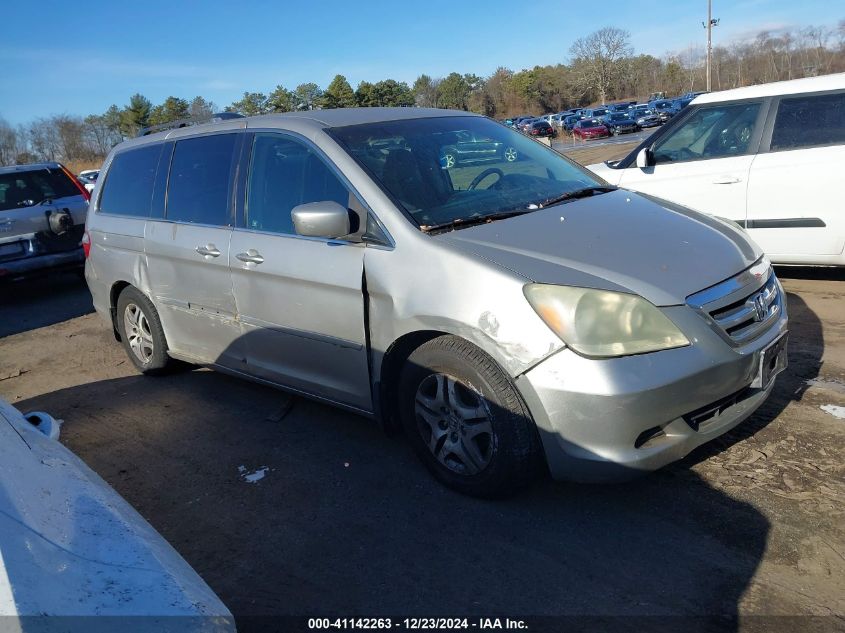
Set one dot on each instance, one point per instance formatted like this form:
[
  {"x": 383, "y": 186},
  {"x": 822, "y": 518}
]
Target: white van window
[
  {"x": 710, "y": 132},
  {"x": 809, "y": 121},
  {"x": 285, "y": 173}
]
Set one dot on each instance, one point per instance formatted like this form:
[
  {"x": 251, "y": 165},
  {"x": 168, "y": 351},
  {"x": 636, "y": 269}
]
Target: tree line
[{"x": 603, "y": 67}]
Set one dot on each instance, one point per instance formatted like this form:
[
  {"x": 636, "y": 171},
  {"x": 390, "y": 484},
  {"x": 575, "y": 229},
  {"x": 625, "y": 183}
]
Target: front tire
[
  {"x": 466, "y": 420},
  {"x": 141, "y": 332}
]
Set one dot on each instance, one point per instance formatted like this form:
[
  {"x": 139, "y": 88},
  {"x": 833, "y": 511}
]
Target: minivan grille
[
  {"x": 745, "y": 319},
  {"x": 742, "y": 308}
]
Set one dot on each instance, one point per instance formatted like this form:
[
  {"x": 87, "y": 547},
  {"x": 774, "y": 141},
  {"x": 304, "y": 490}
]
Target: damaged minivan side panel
[{"x": 493, "y": 315}]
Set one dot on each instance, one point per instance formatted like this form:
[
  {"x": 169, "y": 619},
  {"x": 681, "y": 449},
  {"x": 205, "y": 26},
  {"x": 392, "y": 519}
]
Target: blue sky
[{"x": 64, "y": 58}]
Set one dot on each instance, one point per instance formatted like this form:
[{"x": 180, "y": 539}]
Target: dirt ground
[{"x": 346, "y": 521}]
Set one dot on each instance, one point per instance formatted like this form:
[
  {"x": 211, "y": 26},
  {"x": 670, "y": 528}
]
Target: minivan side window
[
  {"x": 809, "y": 121},
  {"x": 128, "y": 189},
  {"x": 715, "y": 131},
  {"x": 285, "y": 173},
  {"x": 199, "y": 186}
]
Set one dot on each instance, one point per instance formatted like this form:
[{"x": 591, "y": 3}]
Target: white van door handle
[
  {"x": 726, "y": 180},
  {"x": 252, "y": 256},
  {"x": 209, "y": 250}
]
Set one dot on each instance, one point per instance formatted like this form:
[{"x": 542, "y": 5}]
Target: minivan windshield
[{"x": 453, "y": 170}]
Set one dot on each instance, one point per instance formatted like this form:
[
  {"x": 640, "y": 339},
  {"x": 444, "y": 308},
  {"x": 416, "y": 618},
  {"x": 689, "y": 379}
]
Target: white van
[{"x": 770, "y": 157}]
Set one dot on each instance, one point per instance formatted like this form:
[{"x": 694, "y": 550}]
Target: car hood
[
  {"x": 619, "y": 241},
  {"x": 71, "y": 546}
]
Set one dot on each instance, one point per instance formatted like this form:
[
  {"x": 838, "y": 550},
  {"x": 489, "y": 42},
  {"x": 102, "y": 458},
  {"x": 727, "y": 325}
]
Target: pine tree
[{"x": 339, "y": 94}]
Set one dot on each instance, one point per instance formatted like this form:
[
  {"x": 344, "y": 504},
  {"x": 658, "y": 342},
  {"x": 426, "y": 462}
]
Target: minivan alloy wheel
[
  {"x": 138, "y": 333},
  {"x": 455, "y": 423}
]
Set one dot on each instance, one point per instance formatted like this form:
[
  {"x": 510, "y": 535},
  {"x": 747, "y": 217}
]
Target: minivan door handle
[
  {"x": 252, "y": 256},
  {"x": 209, "y": 250},
  {"x": 726, "y": 180}
]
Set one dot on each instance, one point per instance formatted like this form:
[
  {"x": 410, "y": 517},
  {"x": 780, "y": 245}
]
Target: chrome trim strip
[{"x": 728, "y": 291}]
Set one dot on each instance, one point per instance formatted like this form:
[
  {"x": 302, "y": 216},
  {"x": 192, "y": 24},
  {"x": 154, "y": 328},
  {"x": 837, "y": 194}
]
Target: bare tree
[
  {"x": 600, "y": 59},
  {"x": 9, "y": 145}
]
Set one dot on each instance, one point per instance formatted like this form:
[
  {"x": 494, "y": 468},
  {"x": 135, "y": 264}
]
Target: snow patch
[
  {"x": 255, "y": 476},
  {"x": 822, "y": 383},
  {"x": 834, "y": 410}
]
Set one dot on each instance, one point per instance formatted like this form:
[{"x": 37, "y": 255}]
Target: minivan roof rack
[{"x": 196, "y": 120}]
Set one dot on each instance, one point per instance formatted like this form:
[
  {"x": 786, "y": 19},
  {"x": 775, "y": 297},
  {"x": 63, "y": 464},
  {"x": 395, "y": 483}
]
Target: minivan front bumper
[{"x": 612, "y": 419}]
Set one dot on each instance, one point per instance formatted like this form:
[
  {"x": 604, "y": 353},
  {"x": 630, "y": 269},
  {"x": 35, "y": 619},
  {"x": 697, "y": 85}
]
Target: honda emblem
[{"x": 759, "y": 308}]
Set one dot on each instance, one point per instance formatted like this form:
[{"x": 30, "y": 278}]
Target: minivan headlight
[{"x": 601, "y": 323}]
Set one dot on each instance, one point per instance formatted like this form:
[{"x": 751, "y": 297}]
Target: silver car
[{"x": 511, "y": 316}]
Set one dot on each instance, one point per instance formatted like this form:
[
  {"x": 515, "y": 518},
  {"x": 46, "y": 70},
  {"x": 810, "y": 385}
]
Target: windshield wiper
[
  {"x": 578, "y": 193},
  {"x": 462, "y": 223}
]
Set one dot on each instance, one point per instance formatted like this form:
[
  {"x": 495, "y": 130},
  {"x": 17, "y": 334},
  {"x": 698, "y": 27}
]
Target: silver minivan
[{"x": 514, "y": 314}]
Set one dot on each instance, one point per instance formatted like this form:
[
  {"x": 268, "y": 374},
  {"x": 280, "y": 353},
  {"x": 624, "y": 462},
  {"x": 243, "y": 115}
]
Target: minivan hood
[{"x": 620, "y": 241}]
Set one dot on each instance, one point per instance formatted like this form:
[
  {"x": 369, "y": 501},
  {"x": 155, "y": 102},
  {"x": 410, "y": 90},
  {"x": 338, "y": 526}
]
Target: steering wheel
[{"x": 487, "y": 172}]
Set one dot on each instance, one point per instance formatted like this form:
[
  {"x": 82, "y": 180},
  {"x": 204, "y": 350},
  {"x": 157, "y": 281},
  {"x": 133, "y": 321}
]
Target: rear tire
[
  {"x": 141, "y": 332},
  {"x": 466, "y": 420}
]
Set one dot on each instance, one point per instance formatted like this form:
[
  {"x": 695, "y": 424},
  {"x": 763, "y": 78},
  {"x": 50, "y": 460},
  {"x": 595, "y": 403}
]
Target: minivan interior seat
[{"x": 402, "y": 174}]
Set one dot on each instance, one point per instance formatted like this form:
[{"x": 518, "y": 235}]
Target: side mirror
[
  {"x": 321, "y": 219},
  {"x": 645, "y": 158}
]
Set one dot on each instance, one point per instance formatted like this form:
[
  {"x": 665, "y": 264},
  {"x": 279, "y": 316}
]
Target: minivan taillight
[{"x": 86, "y": 244}]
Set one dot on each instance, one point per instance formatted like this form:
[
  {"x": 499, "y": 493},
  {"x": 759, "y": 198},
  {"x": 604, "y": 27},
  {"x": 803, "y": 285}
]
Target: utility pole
[{"x": 709, "y": 26}]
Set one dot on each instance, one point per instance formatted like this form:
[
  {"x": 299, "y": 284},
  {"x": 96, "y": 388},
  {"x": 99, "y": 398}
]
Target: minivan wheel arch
[
  {"x": 116, "y": 289},
  {"x": 391, "y": 367}
]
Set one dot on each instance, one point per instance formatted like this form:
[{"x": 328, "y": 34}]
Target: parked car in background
[
  {"x": 644, "y": 117},
  {"x": 663, "y": 108},
  {"x": 570, "y": 121},
  {"x": 465, "y": 147},
  {"x": 619, "y": 123},
  {"x": 590, "y": 128},
  {"x": 518, "y": 120},
  {"x": 679, "y": 104},
  {"x": 88, "y": 178},
  {"x": 330, "y": 254},
  {"x": 769, "y": 157},
  {"x": 594, "y": 113},
  {"x": 620, "y": 107},
  {"x": 689, "y": 96},
  {"x": 524, "y": 124},
  {"x": 71, "y": 546},
  {"x": 42, "y": 216},
  {"x": 556, "y": 120},
  {"x": 541, "y": 129}
]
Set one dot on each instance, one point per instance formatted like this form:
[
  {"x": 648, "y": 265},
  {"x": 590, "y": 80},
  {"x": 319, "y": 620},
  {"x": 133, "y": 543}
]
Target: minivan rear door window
[{"x": 199, "y": 187}]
